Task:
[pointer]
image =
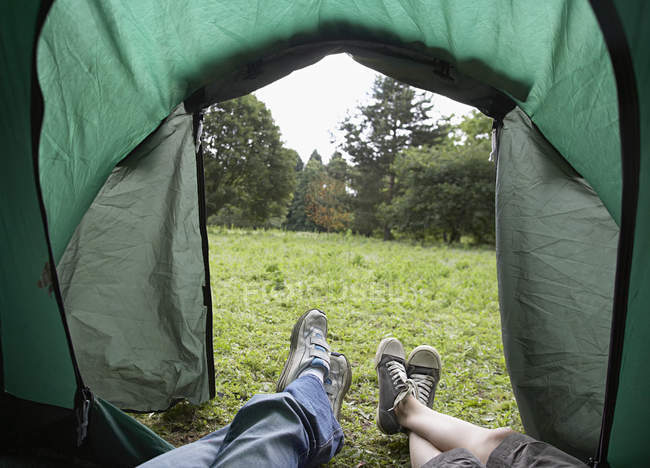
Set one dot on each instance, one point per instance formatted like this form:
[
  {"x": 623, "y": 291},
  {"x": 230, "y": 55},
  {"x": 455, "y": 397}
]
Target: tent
[{"x": 105, "y": 298}]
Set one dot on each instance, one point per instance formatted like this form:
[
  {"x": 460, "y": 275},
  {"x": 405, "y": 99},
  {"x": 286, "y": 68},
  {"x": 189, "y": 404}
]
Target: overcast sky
[{"x": 309, "y": 104}]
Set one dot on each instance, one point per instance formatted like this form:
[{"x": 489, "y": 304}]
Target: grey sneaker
[
  {"x": 423, "y": 367},
  {"x": 337, "y": 382},
  {"x": 307, "y": 343},
  {"x": 394, "y": 385}
]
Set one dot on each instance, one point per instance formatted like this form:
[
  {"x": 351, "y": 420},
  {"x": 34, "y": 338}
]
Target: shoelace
[
  {"x": 424, "y": 384},
  {"x": 401, "y": 382}
]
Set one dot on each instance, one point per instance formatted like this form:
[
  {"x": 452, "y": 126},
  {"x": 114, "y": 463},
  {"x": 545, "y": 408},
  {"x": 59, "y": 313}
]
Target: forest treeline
[{"x": 397, "y": 172}]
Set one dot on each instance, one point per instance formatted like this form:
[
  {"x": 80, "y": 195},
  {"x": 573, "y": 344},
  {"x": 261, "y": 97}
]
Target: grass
[{"x": 263, "y": 280}]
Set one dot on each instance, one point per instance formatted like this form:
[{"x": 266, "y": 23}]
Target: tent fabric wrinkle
[
  {"x": 132, "y": 278},
  {"x": 556, "y": 254}
]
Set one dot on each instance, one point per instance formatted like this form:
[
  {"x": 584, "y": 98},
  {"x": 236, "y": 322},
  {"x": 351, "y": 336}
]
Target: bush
[{"x": 447, "y": 191}]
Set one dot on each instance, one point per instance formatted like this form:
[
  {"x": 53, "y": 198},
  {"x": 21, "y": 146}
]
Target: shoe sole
[
  {"x": 346, "y": 384},
  {"x": 282, "y": 384},
  {"x": 380, "y": 351}
]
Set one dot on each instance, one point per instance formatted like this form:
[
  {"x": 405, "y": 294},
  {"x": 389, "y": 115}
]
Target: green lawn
[{"x": 262, "y": 281}]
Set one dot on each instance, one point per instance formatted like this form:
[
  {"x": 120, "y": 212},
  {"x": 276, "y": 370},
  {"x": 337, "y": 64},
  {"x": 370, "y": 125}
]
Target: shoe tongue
[
  {"x": 318, "y": 362},
  {"x": 412, "y": 369},
  {"x": 390, "y": 357}
]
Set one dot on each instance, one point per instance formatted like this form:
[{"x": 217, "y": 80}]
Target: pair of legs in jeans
[{"x": 297, "y": 426}]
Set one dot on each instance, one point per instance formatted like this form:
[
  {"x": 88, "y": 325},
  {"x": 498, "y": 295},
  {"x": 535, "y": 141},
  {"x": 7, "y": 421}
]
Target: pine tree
[
  {"x": 338, "y": 168},
  {"x": 396, "y": 119},
  {"x": 297, "y": 219}
]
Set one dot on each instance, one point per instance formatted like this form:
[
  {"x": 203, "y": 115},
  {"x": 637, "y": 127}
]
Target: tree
[
  {"x": 396, "y": 119},
  {"x": 297, "y": 219},
  {"x": 475, "y": 128},
  {"x": 327, "y": 201},
  {"x": 448, "y": 190},
  {"x": 249, "y": 174},
  {"x": 325, "y": 204},
  {"x": 338, "y": 167}
]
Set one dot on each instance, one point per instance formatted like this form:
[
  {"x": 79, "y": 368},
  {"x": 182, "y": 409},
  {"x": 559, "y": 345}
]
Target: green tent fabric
[
  {"x": 631, "y": 412},
  {"x": 556, "y": 256},
  {"x": 28, "y": 307},
  {"x": 116, "y": 439},
  {"x": 132, "y": 278},
  {"x": 110, "y": 72},
  {"x": 38, "y": 379},
  {"x": 41, "y": 435}
]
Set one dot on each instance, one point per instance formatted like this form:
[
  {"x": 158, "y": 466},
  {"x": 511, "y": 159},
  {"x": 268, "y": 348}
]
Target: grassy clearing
[{"x": 263, "y": 280}]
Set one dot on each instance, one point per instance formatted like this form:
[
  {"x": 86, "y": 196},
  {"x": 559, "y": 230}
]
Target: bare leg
[
  {"x": 446, "y": 432},
  {"x": 421, "y": 450}
]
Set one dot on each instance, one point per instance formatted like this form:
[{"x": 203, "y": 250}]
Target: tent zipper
[
  {"x": 83, "y": 396},
  {"x": 207, "y": 293}
]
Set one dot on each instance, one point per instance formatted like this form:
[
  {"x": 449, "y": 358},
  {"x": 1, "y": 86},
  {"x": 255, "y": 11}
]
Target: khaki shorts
[{"x": 516, "y": 450}]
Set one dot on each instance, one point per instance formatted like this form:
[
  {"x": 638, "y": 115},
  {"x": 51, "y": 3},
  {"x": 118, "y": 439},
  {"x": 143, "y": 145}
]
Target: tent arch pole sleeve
[
  {"x": 83, "y": 396},
  {"x": 409, "y": 66},
  {"x": 627, "y": 410},
  {"x": 30, "y": 306}
]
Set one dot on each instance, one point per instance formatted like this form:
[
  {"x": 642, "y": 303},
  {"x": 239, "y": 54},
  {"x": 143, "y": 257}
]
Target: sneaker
[
  {"x": 394, "y": 385},
  {"x": 337, "y": 382},
  {"x": 423, "y": 367},
  {"x": 308, "y": 347}
]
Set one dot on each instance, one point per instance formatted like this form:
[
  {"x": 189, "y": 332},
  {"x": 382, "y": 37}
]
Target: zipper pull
[
  {"x": 497, "y": 125},
  {"x": 82, "y": 409}
]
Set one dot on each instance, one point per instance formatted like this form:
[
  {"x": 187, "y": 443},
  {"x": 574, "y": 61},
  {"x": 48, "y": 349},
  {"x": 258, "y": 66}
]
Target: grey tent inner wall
[
  {"x": 556, "y": 257},
  {"x": 132, "y": 278}
]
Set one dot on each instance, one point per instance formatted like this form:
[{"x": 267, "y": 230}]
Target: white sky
[{"x": 309, "y": 104}]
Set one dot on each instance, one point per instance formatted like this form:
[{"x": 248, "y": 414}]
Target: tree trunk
[
  {"x": 391, "y": 187},
  {"x": 387, "y": 234}
]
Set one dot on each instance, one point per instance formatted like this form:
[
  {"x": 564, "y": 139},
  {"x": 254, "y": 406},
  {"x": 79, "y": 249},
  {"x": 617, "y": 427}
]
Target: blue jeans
[{"x": 294, "y": 428}]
